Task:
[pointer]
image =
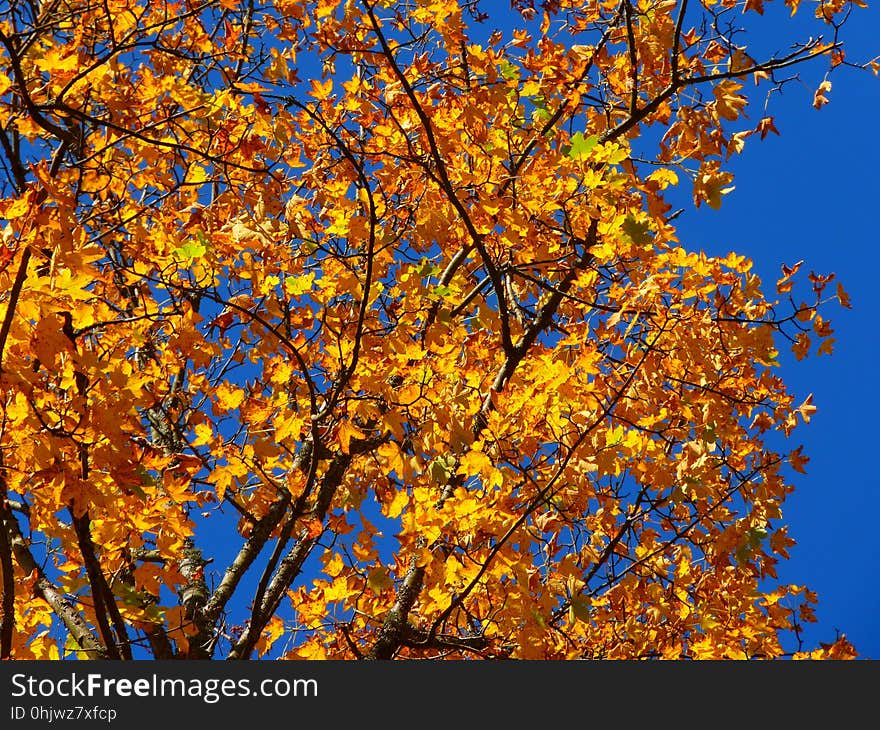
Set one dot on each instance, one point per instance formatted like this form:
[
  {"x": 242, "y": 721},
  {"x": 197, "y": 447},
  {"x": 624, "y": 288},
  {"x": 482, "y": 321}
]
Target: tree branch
[{"x": 62, "y": 608}]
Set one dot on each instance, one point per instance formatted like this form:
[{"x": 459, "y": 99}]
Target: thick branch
[
  {"x": 291, "y": 566},
  {"x": 7, "y": 604},
  {"x": 96, "y": 582},
  {"x": 395, "y": 627},
  {"x": 194, "y": 596},
  {"x": 251, "y": 548},
  {"x": 62, "y": 608},
  {"x": 63, "y": 135}
]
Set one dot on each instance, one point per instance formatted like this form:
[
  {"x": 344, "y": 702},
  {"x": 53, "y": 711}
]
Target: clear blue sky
[{"x": 812, "y": 194}]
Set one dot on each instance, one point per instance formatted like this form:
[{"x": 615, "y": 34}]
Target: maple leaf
[
  {"x": 57, "y": 60},
  {"x": 345, "y": 432},
  {"x": 321, "y": 89},
  {"x": 728, "y": 104},
  {"x": 798, "y": 460},
  {"x": 756, "y": 5},
  {"x": 785, "y": 283},
  {"x": 711, "y": 184},
  {"x": 819, "y": 98},
  {"x": 229, "y": 397},
  {"x": 765, "y": 126},
  {"x": 806, "y": 409}
]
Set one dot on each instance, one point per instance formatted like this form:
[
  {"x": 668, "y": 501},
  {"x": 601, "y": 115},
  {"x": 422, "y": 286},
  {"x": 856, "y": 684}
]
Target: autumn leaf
[
  {"x": 345, "y": 432},
  {"x": 820, "y": 98},
  {"x": 321, "y": 89},
  {"x": 786, "y": 282},
  {"x": 728, "y": 103},
  {"x": 711, "y": 184},
  {"x": 473, "y": 463},
  {"x": 798, "y": 460},
  {"x": 229, "y": 397},
  {"x": 765, "y": 126},
  {"x": 807, "y": 409},
  {"x": 57, "y": 60}
]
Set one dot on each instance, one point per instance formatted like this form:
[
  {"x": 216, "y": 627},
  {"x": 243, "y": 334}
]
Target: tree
[{"x": 361, "y": 330}]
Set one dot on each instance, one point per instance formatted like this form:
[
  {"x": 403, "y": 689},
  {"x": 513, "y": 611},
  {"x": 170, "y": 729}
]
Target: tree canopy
[{"x": 363, "y": 330}]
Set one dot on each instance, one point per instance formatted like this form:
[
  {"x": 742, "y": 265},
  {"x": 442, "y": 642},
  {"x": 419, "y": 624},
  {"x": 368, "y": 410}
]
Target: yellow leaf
[
  {"x": 325, "y": 9},
  {"x": 298, "y": 285},
  {"x": 273, "y": 631},
  {"x": 56, "y": 60},
  {"x": 345, "y": 432},
  {"x": 334, "y": 565},
  {"x": 287, "y": 427},
  {"x": 17, "y": 208},
  {"x": 473, "y": 462},
  {"x": 391, "y": 458},
  {"x": 204, "y": 434},
  {"x": 710, "y": 183},
  {"x": 73, "y": 285},
  {"x": 807, "y": 409},
  {"x": 229, "y": 397},
  {"x": 819, "y": 98},
  {"x": 197, "y": 174},
  {"x": 728, "y": 103},
  {"x": 664, "y": 177},
  {"x": 339, "y": 590},
  {"x": 397, "y": 505},
  {"x": 321, "y": 90}
]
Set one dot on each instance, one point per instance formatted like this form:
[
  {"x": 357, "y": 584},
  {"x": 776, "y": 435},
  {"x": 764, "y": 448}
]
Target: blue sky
[{"x": 812, "y": 194}]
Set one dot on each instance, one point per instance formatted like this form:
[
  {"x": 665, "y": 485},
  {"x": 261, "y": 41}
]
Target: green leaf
[
  {"x": 71, "y": 647},
  {"x": 426, "y": 268},
  {"x": 509, "y": 71},
  {"x": 755, "y": 536},
  {"x": 441, "y": 469},
  {"x": 639, "y": 232},
  {"x": 539, "y": 619},
  {"x": 378, "y": 580},
  {"x": 192, "y": 249},
  {"x": 129, "y": 595},
  {"x": 541, "y": 115},
  {"x": 580, "y": 146},
  {"x": 580, "y": 607}
]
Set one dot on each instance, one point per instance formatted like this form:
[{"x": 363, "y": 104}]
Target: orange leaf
[
  {"x": 797, "y": 459},
  {"x": 819, "y": 98},
  {"x": 321, "y": 90}
]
